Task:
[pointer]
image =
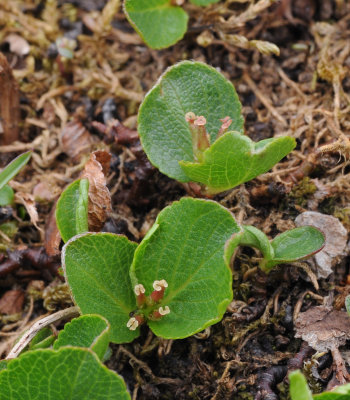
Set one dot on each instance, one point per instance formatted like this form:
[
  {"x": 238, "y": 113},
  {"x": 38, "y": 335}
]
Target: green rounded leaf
[
  {"x": 299, "y": 389},
  {"x": 297, "y": 243},
  {"x": 164, "y": 132},
  {"x": 89, "y": 331},
  {"x": 68, "y": 374},
  {"x": 158, "y": 22},
  {"x": 186, "y": 247},
  {"x": 12, "y": 169},
  {"x": 203, "y": 2},
  {"x": 72, "y": 209},
  {"x": 234, "y": 159},
  {"x": 96, "y": 266},
  {"x": 7, "y": 196}
]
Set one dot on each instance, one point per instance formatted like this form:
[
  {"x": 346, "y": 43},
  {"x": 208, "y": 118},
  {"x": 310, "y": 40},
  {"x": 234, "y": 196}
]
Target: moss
[
  {"x": 314, "y": 385},
  {"x": 302, "y": 191},
  {"x": 243, "y": 394},
  {"x": 283, "y": 390},
  {"x": 343, "y": 214}
]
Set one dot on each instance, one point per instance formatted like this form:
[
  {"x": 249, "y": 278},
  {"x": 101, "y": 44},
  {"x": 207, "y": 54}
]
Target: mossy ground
[{"x": 303, "y": 93}]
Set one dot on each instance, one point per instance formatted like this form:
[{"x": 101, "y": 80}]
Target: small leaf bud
[
  {"x": 200, "y": 121},
  {"x": 157, "y": 314},
  {"x": 190, "y": 117},
  {"x": 164, "y": 311},
  {"x": 66, "y": 46},
  {"x": 226, "y": 122},
  {"x": 135, "y": 321},
  {"x": 140, "y": 294},
  {"x": 132, "y": 324},
  {"x": 159, "y": 285},
  {"x": 139, "y": 289},
  {"x": 200, "y": 137},
  {"x": 203, "y": 142},
  {"x": 159, "y": 288}
]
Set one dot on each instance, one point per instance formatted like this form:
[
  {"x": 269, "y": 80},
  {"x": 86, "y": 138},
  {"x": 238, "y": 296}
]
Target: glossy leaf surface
[
  {"x": 68, "y": 374},
  {"x": 72, "y": 211},
  {"x": 186, "y": 247},
  {"x": 159, "y": 23},
  {"x": 234, "y": 159},
  {"x": 185, "y": 87},
  {"x": 96, "y": 267},
  {"x": 88, "y": 331}
]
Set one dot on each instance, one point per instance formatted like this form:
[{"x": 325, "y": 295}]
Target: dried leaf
[
  {"x": 9, "y": 104},
  {"x": 28, "y": 201},
  {"x": 76, "y": 140},
  {"x": 12, "y": 302},
  {"x": 323, "y": 328},
  {"x": 95, "y": 171},
  {"x": 18, "y": 45},
  {"x": 336, "y": 239},
  {"x": 52, "y": 235}
]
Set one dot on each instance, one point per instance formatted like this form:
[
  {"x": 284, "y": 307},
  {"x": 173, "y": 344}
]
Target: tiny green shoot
[
  {"x": 9, "y": 172},
  {"x": 288, "y": 247}
]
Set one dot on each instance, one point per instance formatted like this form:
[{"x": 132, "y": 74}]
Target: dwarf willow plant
[
  {"x": 177, "y": 280},
  {"x": 191, "y": 128},
  {"x": 160, "y": 23},
  {"x": 299, "y": 390}
]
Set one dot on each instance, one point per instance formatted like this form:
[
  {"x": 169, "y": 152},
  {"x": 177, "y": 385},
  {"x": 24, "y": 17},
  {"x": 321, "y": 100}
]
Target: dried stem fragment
[
  {"x": 9, "y": 104},
  {"x": 38, "y": 326}
]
